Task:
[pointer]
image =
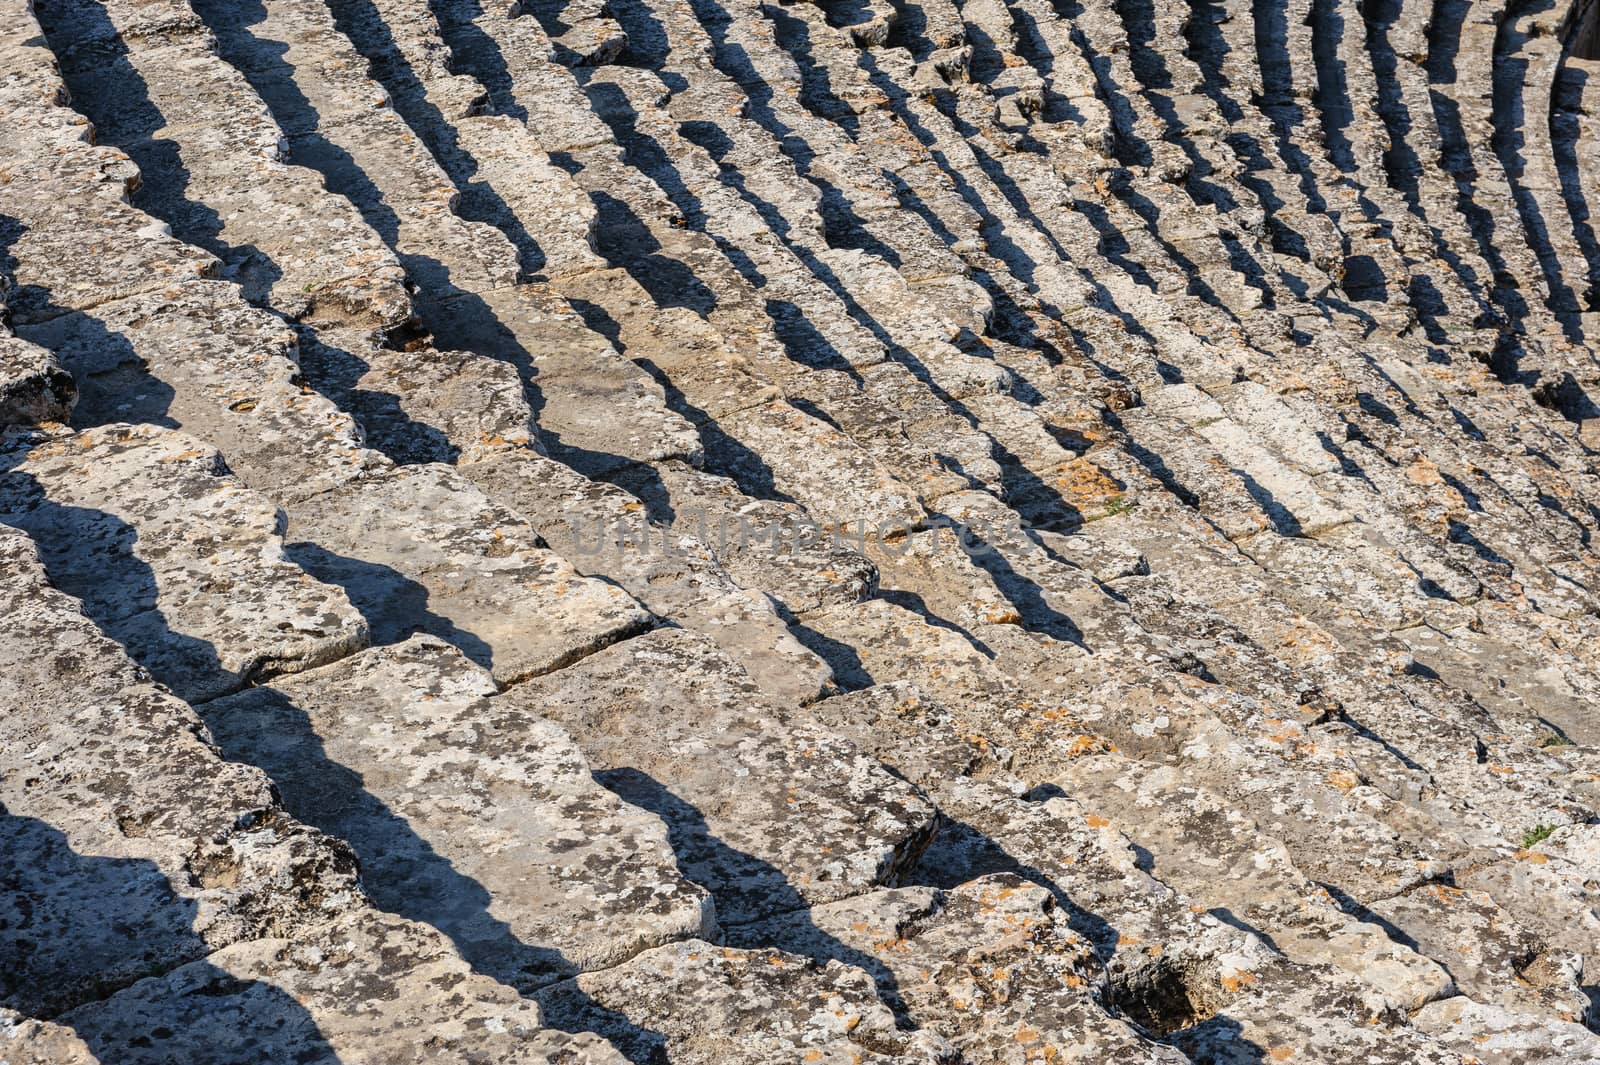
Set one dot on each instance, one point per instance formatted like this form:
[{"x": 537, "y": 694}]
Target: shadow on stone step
[
  {"x": 732, "y": 876},
  {"x": 1444, "y": 46},
  {"x": 107, "y": 89},
  {"x": 1164, "y": 1000},
  {"x": 112, "y": 385},
  {"x": 393, "y": 605},
  {"x": 471, "y": 325},
  {"x": 116, "y": 99},
  {"x": 76, "y": 929},
  {"x": 401, "y": 872},
  {"x": 89, "y": 555}
]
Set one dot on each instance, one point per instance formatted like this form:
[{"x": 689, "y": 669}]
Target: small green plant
[
  {"x": 1535, "y": 834},
  {"x": 1554, "y": 739},
  {"x": 1119, "y": 505}
]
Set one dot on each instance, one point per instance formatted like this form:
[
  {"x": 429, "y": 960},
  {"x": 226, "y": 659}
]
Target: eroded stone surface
[
  {"x": 420, "y": 549},
  {"x": 953, "y": 531},
  {"x": 764, "y": 810},
  {"x": 477, "y": 818},
  {"x": 173, "y": 557}
]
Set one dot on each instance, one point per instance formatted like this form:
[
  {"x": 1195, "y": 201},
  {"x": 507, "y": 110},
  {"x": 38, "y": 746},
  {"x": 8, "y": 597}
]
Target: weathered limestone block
[
  {"x": 750, "y": 1007},
  {"x": 424, "y": 405},
  {"x": 420, "y": 549},
  {"x": 480, "y": 820},
  {"x": 130, "y": 846},
  {"x": 765, "y": 810},
  {"x": 606, "y": 533},
  {"x": 991, "y": 966},
  {"x": 33, "y": 386},
  {"x": 366, "y": 989},
  {"x": 197, "y": 357},
  {"x": 172, "y": 557}
]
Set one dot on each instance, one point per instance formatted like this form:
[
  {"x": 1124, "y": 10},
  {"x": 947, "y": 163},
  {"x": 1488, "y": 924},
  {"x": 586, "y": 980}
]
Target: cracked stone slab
[
  {"x": 419, "y": 549},
  {"x": 606, "y": 533},
  {"x": 366, "y": 989},
  {"x": 765, "y": 810},
  {"x": 173, "y": 557},
  {"x": 478, "y": 818},
  {"x": 1496, "y": 1035}
]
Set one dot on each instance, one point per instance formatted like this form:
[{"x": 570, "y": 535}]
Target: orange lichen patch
[
  {"x": 1533, "y": 856},
  {"x": 1086, "y": 744},
  {"x": 1096, "y": 821},
  {"x": 1027, "y": 1035},
  {"x": 1081, "y": 481},
  {"x": 1280, "y": 1053},
  {"x": 1424, "y": 472},
  {"x": 1343, "y": 779},
  {"x": 1232, "y": 984},
  {"x": 1501, "y": 769}
]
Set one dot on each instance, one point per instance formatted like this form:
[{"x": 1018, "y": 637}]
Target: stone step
[
  {"x": 210, "y": 157},
  {"x": 763, "y": 810},
  {"x": 380, "y": 159},
  {"x": 419, "y": 549},
  {"x": 195, "y": 355},
  {"x": 235, "y": 929},
  {"x": 173, "y": 557},
  {"x": 992, "y": 966},
  {"x": 506, "y": 846},
  {"x": 33, "y": 386},
  {"x": 752, "y": 1006},
  {"x": 141, "y": 338},
  {"x": 357, "y": 991},
  {"x": 116, "y": 803},
  {"x": 608, "y": 534}
]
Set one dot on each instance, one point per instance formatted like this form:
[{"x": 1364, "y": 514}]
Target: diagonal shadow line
[
  {"x": 1508, "y": 112},
  {"x": 279, "y": 738},
  {"x": 125, "y": 924},
  {"x": 126, "y": 917},
  {"x": 108, "y": 89},
  {"x": 719, "y": 868}
]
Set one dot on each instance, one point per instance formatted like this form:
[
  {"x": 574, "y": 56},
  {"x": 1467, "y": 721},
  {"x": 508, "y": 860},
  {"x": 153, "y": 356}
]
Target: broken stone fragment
[{"x": 33, "y": 386}]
